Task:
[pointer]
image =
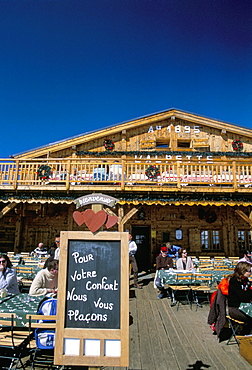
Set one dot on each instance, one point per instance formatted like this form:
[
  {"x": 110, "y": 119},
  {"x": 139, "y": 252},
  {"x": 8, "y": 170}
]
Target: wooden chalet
[{"x": 179, "y": 177}]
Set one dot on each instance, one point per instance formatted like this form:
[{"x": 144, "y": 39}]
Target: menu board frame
[{"x": 93, "y": 346}]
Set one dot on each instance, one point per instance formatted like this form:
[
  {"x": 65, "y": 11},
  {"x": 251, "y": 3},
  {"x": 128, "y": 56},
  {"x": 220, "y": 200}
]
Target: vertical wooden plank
[
  {"x": 17, "y": 241},
  {"x": 231, "y": 231},
  {"x": 70, "y": 217},
  {"x": 120, "y": 218},
  {"x": 234, "y": 168}
]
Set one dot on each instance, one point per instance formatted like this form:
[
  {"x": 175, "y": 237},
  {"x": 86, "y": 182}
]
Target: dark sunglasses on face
[{"x": 2, "y": 261}]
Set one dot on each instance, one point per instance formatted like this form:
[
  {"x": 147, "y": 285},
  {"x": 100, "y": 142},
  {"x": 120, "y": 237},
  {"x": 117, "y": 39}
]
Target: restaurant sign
[{"x": 95, "y": 198}]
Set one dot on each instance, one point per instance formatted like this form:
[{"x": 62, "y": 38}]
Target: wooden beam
[
  {"x": 6, "y": 209},
  {"x": 120, "y": 217},
  {"x": 110, "y": 212},
  {"x": 129, "y": 215},
  {"x": 244, "y": 216}
]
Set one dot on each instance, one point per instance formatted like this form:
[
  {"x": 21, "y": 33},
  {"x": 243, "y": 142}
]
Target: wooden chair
[
  {"x": 10, "y": 254},
  {"x": 234, "y": 260},
  {"x": 181, "y": 290},
  {"x": 204, "y": 258},
  {"x": 13, "y": 342},
  {"x": 201, "y": 288},
  {"x": 25, "y": 254},
  {"x": 221, "y": 267},
  {"x": 206, "y": 265},
  {"x": 25, "y": 276},
  {"x": 235, "y": 325},
  {"x": 218, "y": 262},
  {"x": 43, "y": 358},
  {"x": 24, "y": 269}
]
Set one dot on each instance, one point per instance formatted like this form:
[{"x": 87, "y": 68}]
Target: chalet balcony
[{"x": 128, "y": 174}]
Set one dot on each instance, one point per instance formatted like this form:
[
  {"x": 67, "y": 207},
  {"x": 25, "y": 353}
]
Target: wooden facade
[{"x": 179, "y": 177}]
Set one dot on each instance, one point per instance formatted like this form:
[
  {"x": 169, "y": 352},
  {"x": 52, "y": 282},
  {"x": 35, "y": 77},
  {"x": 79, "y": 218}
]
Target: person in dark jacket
[
  {"x": 239, "y": 291},
  {"x": 218, "y": 303},
  {"x": 163, "y": 262}
]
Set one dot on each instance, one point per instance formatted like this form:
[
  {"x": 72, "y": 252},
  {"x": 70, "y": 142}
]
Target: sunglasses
[{"x": 2, "y": 261}]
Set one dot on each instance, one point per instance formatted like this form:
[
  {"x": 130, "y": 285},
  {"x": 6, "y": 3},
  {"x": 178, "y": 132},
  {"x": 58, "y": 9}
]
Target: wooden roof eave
[
  {"x": 190, "y": 203},
  {"x": 89, "y": 137},
  {"x": 220, "y": 125},
  {"x": 152, "y": 119}
]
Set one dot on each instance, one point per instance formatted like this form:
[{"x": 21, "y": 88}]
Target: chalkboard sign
[
  {"x": 92, "y": 323},
  {"x": 93, "y": 284}
]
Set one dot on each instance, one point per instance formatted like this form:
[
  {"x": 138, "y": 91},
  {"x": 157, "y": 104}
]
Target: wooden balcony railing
[{"x": 125, "y": 173}]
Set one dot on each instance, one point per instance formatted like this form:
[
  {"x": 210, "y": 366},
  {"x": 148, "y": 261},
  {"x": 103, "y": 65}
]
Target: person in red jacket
[{"x": 218, "y": 303}]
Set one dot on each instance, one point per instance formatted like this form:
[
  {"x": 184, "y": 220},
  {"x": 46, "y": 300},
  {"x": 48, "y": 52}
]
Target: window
[
  {"x": 162, "y": 144},
  {"x": 244, "y": 240},
  {"x": 202, "y": 149},
  {"x": 210, "y": 239},
  {"x": 184, "y": 144},
  {"x": 166, "y": 237}
]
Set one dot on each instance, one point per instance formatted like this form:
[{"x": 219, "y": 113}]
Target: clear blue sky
[{"x": 71, "y": 66}]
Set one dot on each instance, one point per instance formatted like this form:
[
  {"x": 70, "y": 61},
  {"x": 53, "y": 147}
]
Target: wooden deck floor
[{"x": 163, "y": 338}]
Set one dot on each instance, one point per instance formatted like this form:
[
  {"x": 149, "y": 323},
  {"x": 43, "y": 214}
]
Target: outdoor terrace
[
  {"x": 126, "y": 174},
  {"x": 162, "y": 337}
]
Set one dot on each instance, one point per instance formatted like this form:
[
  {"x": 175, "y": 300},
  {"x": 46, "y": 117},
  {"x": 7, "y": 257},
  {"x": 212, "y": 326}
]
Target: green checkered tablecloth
[
  {"x": 21, "y": 304},
  {"x": 170, "y": 276},
  {"x": 246, "y": 308}
]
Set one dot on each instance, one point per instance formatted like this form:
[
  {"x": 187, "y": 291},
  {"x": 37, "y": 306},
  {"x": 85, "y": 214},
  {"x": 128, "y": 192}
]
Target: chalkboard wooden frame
[{"x": 104, "y": 337}]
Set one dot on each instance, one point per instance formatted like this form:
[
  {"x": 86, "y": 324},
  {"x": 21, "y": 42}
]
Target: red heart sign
[
  {"x": 111, "y": 221},
  {"x": 79, "y": 218},
  {"x": 94, "y": 220}
]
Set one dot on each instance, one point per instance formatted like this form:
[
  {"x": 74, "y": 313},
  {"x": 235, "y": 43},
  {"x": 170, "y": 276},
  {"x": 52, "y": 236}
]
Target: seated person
[
  {"x": 246, "y": 257},
  {"x": 52, "y": 249},
  {"x": 46, "y": 280},
  {"x": 8, "y": 278},
  {"x": 39, "y": 251},
  {"x": 184, "y": 262},
  {"x": 163, "y": 262},
  {"x": 172, "y": 250},
  {"x": 240, "y": 290}
]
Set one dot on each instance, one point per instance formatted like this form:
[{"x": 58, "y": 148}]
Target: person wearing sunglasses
[
  {"x": 240, "y": 290},
  {"x": 8, "y": 278},
  {"x": 57, "y": 251},
  {"x": 184, "y": 262}
]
